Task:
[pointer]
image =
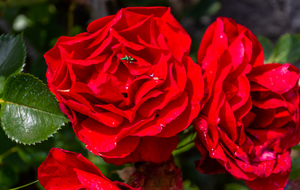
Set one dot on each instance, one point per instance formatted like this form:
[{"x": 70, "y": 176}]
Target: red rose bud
[
  {"x": 150, "y": 176},
  {"x": 251, "y": 116},
  {"x": 127, "y": 85},
  {"x": 64, "y": 170}
]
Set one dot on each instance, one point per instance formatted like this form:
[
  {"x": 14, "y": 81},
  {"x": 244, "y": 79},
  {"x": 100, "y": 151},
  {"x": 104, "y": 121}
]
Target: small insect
[
  {"x": 155, "y": 78},
  {"x": 128, "y": 59}
]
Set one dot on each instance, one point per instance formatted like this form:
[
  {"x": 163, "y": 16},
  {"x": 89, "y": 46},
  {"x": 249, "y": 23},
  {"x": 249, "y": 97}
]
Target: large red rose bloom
[
  {"x": 127, "y": 84},
  {"x": 251, "y": 116}
]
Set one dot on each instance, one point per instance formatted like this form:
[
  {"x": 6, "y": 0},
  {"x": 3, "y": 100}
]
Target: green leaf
[
  {"x": 287, "y": 49},
  {"x": 187, "y": 185},
  {"x": 2, "y": 82},
  {"x": 295, "y": 171},
  {"x": 235, "y": 186},
  {"x": 12, "y": 54},
  {"x": 267, "y": 47},
  {"x": 186, "y": 142},
  {"x": 29, "y": 111}
]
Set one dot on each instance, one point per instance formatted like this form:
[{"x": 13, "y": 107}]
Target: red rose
[
  {"x": 127, "y": 85},
  {"x": 251, "y": 109},
  {"x": 69, "y": 170}
]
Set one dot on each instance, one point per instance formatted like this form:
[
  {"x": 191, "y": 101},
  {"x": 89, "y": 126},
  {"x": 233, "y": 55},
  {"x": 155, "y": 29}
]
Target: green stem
[
  {"x": 25, "y": 185},
  {"x": 7, "y": 153}
]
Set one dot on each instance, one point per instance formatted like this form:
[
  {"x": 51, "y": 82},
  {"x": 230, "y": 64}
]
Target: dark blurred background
[{"x": 43, "y": 21}]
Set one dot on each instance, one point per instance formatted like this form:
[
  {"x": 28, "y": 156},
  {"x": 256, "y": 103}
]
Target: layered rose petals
[
  {"x": 127, "y": 83},
  {"x": 251, "y": 116},
  {"x": 64, "y": 170}
]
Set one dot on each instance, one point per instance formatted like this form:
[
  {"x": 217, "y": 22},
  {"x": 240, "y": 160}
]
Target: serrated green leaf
[
  {"x": 267, "y": 47},
  {"x": 29, "y": 111},
  {"x": 12, "y": 54},
  {"x": 287, "y": 49}
]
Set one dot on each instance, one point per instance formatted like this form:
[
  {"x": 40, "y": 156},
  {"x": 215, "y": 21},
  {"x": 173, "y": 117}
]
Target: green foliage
[
  {"x": 267, "y": 47},
  {"x": 12, "y": 54},
  {"x": 204, "y": 7},
  {"x": 187, "y": 185},
  {"x": 65, "y": 139},
  {"x": 295, "y": 171},
  {"x": 29, "y": 111},
  {"x": 8, "y": 177},
  {"x": 235, "y": 186},
  {"x": 186, "y": 141},
  {"x": 287, "y": 49},
  {"x": 18, "y": 3}
]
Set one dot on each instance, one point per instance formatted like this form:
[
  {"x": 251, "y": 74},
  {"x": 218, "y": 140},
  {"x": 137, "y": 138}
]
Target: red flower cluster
[
  {"x": 251, "y": 116},
  {"x": 129, "y": 87}
]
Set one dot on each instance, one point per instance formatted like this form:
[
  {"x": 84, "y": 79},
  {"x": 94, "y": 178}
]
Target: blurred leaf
[
  {"x": 8, "y": 177},
  {"x": 204, "y": 7},
  {"x": 235, "y": 186},
  {"x": 295, "y": 171},
  {"x": 186, "y": 141},
  {"x": 297, "y": 147},
  {"x": 38, "y": 68},
  {"x": 287, "y": 49},
  {"x": 267, "y": 47},
  {"x": 12, "y": 54},
  {"x": 9, "y": 14},
  {"x": 29, "y": 111},
  {"x": 187, "y": 185},
  {"x": 2, "y": 82},
  {"x": 19, "y": 3},
  {"x": 65, "y": 139},
  {"x": 33, "y": 155},
  {"x": 13, "y": 159}
]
